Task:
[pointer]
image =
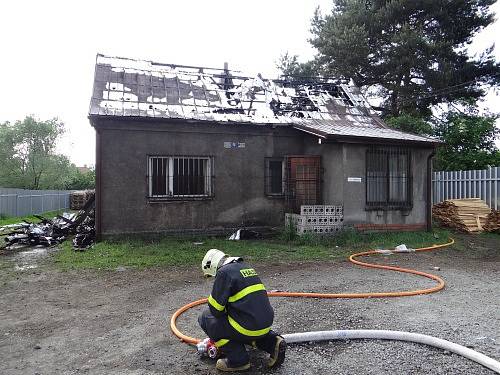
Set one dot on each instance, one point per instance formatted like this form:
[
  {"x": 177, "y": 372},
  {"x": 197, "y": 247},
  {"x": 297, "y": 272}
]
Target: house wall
[
  {"x": 343, "y": 160},
  {"x": 239, "y": 175}
]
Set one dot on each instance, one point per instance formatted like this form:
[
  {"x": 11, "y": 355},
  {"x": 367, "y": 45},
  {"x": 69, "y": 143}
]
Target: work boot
[
  {"x": 222, "y": 365},
  {"x": 278, "y": 355}
]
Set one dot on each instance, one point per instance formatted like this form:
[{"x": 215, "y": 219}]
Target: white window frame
[{"x": 169, "y": 176}]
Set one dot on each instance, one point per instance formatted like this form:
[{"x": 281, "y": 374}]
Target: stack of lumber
[
  {"x": 493, "y": 222},
  {"x": 466, "y": 215},
  {"x": 79, "y": 198}
]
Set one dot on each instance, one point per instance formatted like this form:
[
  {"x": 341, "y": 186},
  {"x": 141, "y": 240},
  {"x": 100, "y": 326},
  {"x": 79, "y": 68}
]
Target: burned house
[{"x": 181, "y": 148}]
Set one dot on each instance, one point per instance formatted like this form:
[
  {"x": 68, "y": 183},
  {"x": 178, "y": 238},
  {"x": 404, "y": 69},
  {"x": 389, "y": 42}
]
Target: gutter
[{"x": 429, "y": 191}]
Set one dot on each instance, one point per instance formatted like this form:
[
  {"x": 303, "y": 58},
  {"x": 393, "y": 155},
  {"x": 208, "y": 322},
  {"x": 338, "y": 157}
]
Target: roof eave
[
  {"x": 363, "y": 139},
  {"x": 375, "y": 140}
]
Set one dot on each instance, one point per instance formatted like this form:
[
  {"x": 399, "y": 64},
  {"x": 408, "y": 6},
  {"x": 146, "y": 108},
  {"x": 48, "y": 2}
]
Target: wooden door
[{"x": 303, "y": 181}]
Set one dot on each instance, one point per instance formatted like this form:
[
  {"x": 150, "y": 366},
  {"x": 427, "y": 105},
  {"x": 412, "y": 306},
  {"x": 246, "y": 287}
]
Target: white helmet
[{"x": 211, "y": 261}]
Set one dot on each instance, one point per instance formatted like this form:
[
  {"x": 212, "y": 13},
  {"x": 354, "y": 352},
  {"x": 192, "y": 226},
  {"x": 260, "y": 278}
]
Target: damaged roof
[{"x": 325, "y": 107}]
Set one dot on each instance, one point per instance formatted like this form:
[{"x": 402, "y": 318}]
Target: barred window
[
  {"x": 180, "y": 176},
  {"x": 275, "y": 177},
  {"x": 388, "y": 178}
]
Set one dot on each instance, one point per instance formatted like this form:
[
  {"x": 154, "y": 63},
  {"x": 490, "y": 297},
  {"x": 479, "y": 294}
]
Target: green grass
[
  {"x": 169, "y": 251},
  {"x": 5, "y": 220}
]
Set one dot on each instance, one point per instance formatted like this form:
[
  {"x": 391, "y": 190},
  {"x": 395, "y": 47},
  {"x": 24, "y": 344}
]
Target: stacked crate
[{"x": 317, "y": 219}]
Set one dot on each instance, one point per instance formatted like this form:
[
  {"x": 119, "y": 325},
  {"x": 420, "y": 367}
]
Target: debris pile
[
  {"x": 493, "y": 222},
  {"x": 466, "y": 215},
  {"x": 51, "y": 232},
  {"x": 85, "y": 232}
]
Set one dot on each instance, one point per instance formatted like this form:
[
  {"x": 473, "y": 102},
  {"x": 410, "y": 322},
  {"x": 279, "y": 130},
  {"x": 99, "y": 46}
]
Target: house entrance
[{"x": 303, "y": 181}]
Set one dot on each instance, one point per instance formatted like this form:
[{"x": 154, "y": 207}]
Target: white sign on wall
[
  {"x": 234, "y": 144},
  {"x": 353, "y": 179}
]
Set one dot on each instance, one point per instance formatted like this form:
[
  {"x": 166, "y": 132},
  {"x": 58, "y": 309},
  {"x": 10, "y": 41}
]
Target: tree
[
  {"x": 469, "y": 142},
  {"x": 28, "y": 156},
  {"x": 413, "y": 51},
  {"x": 8, "y": 163},
  {"x": 410, "y": 124},
  {"x": 81, "y": 180},
  {"x": 289, "y": 66}
]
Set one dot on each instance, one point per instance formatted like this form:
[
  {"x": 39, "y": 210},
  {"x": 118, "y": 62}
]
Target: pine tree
[{"x": 414, "y": 52}]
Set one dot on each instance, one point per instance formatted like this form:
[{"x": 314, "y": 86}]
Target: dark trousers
[{"x": 235, "y": 351}]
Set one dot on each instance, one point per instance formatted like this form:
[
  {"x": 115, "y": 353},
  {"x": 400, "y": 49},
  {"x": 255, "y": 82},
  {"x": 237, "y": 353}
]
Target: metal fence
[
  {"x": 21, "y": 202},
  {"x": 484, "y": 184}
]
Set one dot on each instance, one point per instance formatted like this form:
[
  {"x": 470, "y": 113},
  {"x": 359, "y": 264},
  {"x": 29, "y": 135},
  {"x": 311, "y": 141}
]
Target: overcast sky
[{"x": 48, "y": 48}]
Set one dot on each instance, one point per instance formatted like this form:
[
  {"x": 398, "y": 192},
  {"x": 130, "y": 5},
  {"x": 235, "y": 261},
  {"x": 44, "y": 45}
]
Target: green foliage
[
  {"x": 289, "y": 233},
  {"x": 183, "y": 251},
  {"x": 289, "y": 66},
  {"x": 470, "y": 142},
  {"x": 469, "y": 139},
  {"x": 29, "y": 160},
  {"x": 81, "y": 180},
  {"x": 29, "y": 153},
  {"x": 413, "y": 51},
  {"x": 410, "y": 124}
]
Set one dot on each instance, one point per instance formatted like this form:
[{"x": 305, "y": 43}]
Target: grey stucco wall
[
  {"x": 343, "y": 160},
  {"x": 239, "y": 175},
  {"x": 240, "y": 198}
]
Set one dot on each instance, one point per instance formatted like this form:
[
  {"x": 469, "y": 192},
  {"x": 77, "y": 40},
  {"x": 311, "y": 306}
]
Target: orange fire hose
[{"x": 439, "y": 286}]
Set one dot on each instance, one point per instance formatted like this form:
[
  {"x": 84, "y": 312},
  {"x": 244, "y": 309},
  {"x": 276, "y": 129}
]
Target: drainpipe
[
  {"x": 429, "y": 191},
  {"x": 98, "y": 226}
]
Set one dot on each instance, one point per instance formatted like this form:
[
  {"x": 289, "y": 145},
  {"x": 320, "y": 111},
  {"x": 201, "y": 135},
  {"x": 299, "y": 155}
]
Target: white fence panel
[
  {"x": 484, "y": 184},
  {"x": 21, "y": 202}
]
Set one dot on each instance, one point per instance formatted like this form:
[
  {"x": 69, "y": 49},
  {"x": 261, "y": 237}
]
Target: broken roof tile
[{"x": 324, "y": 106}]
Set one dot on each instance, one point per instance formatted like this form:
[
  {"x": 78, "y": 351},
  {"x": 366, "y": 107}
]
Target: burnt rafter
[
  {"x": 133, "y": 86},
  {"x": 326, "y": 106}
]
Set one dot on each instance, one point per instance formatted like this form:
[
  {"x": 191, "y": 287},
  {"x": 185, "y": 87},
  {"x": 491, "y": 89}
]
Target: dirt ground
[{"x": 117, "y": 322}]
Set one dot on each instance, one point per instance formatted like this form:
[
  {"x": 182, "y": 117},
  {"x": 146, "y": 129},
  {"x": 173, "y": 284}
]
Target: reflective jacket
[{"x": 238, "y": 294}]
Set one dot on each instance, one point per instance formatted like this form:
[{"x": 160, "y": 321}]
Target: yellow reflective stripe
[
  {"x": 221, "y": 342},
  {"x": 245, "y": 331},
  {"x": 246, "y": 291},
  {"x": 214, "y": 303}
]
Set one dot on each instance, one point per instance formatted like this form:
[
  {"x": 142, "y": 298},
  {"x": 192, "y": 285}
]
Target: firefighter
[{"x": 239, "y": 313}]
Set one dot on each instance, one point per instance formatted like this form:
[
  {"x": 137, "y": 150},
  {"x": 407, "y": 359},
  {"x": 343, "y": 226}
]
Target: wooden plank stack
[
  {"x": 493, "y": 222},
  {"x": 466, "y": 215},
  {"x": 78, "y": 198}
]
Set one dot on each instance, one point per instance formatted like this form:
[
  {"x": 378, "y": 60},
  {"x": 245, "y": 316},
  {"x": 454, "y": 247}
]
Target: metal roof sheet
[{"x": 324, "y": 106}]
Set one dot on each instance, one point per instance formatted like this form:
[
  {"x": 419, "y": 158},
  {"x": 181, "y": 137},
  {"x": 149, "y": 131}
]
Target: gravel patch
[{"x": 117, "y": 322}]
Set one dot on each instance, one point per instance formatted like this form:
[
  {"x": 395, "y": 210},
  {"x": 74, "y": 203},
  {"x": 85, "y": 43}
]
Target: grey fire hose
[{"x": 394, "y": 335}]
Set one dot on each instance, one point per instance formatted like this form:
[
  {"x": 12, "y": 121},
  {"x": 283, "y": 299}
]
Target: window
[
  {"x": 180, "y": 176},
  {"x": 275, "y": 177},
  {"x": 388, "y": 178}
]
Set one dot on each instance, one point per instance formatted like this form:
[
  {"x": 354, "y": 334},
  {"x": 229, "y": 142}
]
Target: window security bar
[
  {"x": 180, "y": 177},
  {"x": 388, "y": 178}
]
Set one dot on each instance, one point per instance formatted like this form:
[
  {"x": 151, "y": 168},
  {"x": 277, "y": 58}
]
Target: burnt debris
[{"x": 49, "y": 232}]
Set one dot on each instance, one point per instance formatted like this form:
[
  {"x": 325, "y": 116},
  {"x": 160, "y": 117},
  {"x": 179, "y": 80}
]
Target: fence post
[
  {"x": 474, "y": 184},
  {"x": 459, "y": 183},
  {"x": 455, "y": 185},
  {"x": 496, "y": 188},
  {"x": 437, "y": 185}
]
